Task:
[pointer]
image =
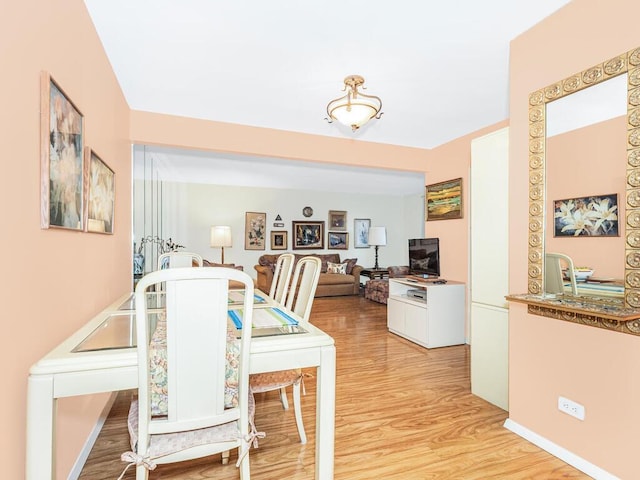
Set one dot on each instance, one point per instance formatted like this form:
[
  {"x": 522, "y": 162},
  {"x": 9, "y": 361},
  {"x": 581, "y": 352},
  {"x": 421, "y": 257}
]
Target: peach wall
[
  {"x": 448, "y": 161},
  {"x": 55, "y": 280},
  {"x": 548, "y": 358},
  {"x": 585, "y": 162}
]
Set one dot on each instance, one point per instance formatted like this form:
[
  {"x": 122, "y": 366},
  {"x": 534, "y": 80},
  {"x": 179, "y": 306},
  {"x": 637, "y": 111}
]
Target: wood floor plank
[{"x": 402, "y": 412}]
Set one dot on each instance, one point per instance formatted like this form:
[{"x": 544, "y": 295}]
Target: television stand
[{"x": 436, "y": 319}]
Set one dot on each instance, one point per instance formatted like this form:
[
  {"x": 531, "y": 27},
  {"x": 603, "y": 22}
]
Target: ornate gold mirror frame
[{"x": 605, "y": 315}]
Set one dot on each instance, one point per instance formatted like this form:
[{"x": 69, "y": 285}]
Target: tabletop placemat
[
  {"x": 263, "y": 318},
  {"x": 237, "y": 297}
]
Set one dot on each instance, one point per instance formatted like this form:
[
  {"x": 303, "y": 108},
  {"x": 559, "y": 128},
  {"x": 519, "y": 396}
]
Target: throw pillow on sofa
[
  {"x": 340, "y": 268},
  {"x": 351, "y": 262}
]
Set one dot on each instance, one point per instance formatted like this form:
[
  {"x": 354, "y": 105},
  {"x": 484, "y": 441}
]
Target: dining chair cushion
[
  {"x": 158, "y": 368},
  {"x": 268, "y": 381}
]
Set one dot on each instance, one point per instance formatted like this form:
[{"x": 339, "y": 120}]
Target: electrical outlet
[{"x": 571, "y": 408}]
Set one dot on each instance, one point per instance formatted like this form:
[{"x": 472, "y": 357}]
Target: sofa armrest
[
  {"x": 355, "y": 271},
  {"x": 264, "y": 279}
]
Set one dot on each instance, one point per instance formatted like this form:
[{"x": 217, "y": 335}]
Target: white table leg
[
  {"x": 326, "y": 414},
  {"x": 40, "y": 428}
]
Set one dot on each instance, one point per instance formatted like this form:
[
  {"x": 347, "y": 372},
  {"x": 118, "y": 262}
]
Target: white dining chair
[
  {"x": 553, "y": 277},
  {"x": 193, "y": 383},
  {"x": 299, "y": 300},
  {"x": 179, "y": 259},
  {"x": 281, "y": 277}
]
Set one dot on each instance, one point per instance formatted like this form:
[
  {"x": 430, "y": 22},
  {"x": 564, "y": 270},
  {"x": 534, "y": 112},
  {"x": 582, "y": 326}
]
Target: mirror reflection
[
  {"x": 585, "y": 190},
  {"x": 584, "y": 182}
]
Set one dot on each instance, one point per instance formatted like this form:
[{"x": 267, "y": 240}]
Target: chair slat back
[
  {"x": 553, "y": 278},
  {"x": 281, "y": 277},
  {"x": 303, "y": 286},
  {"x": 178, "y": 260},
  {"x": 196, "y": 350}
]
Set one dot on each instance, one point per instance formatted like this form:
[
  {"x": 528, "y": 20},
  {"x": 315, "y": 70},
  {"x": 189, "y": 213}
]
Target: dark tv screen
[{"x": 424, "y": 256}]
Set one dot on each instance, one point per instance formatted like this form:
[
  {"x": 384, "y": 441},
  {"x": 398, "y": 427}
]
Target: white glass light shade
[
  {"x": 354, "y": 114},
  {"x": 377, "y": 236},
  {"x": 220, "y": 236}
]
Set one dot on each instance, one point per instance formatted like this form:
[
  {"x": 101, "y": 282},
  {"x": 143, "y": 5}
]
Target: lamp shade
[
  {"x": 220, "y": 236},
  {"x": 377, "y": 236}
]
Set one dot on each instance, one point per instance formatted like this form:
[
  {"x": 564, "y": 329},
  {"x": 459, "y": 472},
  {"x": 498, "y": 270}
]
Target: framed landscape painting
[
  {"x": 443, "y": 201},
  {"x": 61, "y": 164},
  {"x": 254, "y": 230},
  {"x": 308, "y": 235},
  {"x": 100, "y": 194},
  {"x": 338, "y": 240}
]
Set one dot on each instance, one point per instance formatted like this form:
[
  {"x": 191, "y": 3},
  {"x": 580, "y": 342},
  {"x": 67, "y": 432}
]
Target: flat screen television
[{"x": 424, "y": 257}]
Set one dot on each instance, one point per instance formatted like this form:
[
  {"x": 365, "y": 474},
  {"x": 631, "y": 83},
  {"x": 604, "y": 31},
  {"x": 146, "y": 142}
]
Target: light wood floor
[{"x": 402, "y": 412}]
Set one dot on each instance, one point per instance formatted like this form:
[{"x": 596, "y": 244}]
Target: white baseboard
[
  {"x": 559, "y": 452},
  {"x": 74, "y": 474}
]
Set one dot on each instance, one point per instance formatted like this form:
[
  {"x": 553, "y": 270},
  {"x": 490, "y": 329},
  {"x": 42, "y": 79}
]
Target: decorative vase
[{"x": 138, "y": 264}]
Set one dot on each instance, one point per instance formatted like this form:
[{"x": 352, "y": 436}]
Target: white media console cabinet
[{"x": 435, "y": 321}]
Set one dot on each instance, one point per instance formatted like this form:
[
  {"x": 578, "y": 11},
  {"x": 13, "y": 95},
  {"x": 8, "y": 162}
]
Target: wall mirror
[{"x": 614, "y": 166}]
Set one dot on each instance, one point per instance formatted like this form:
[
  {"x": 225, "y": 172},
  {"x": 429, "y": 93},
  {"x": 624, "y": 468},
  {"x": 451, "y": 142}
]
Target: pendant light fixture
[{"x": 355, "y": 108}]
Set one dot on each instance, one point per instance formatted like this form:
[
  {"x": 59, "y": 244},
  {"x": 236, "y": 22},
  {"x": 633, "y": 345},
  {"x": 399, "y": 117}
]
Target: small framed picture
[
  {"x": 100, "y": 193},
  {"x": 338, "y": 241},
  {"x": 255, "y": 226},
  {"x": 308, "y": 235},
  {"x": 361, "y": 232},
  {"x": 279, "y": 240},
  {"x": 337, "y": 220}
]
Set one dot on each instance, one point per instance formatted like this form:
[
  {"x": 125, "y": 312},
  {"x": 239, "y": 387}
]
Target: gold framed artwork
[
  {"x": 254, "y": 230},
  {"x": 337, "y": 220},
  {"x": 308, "y": 235},
  {"x": 100, "y": 183},
  {"x": 443, "y": 200},
  {"x": 338, "y": 240},
  {"x": 279, "y": 240},
  {"x": 61, "y": 163}
]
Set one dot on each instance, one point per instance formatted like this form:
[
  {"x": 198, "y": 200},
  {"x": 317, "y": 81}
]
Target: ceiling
[{"x": 440, "y": 67}]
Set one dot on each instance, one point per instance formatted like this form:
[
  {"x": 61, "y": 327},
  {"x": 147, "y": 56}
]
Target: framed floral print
[
  {"x": 255, "y": 230},
  {"x": 61, "y": 164},
  {"x": 595, "y": 216}
]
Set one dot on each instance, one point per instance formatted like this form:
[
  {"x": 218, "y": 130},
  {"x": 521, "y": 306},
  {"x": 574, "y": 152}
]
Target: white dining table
[{"x": 78, "y": 367}]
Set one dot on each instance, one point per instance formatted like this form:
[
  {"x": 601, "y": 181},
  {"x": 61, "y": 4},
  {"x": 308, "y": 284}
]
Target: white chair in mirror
[
  {"x": 553, "y": 276},
  {"x": 299, "y": 300},
  {"x": 179, "y": 259}
]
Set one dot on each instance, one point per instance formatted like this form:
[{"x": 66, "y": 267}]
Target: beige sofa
[{"x": 329, "y": 284}]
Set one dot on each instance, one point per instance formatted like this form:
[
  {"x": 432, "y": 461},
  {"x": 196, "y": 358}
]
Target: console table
[{"x": 435, "y": 321}]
